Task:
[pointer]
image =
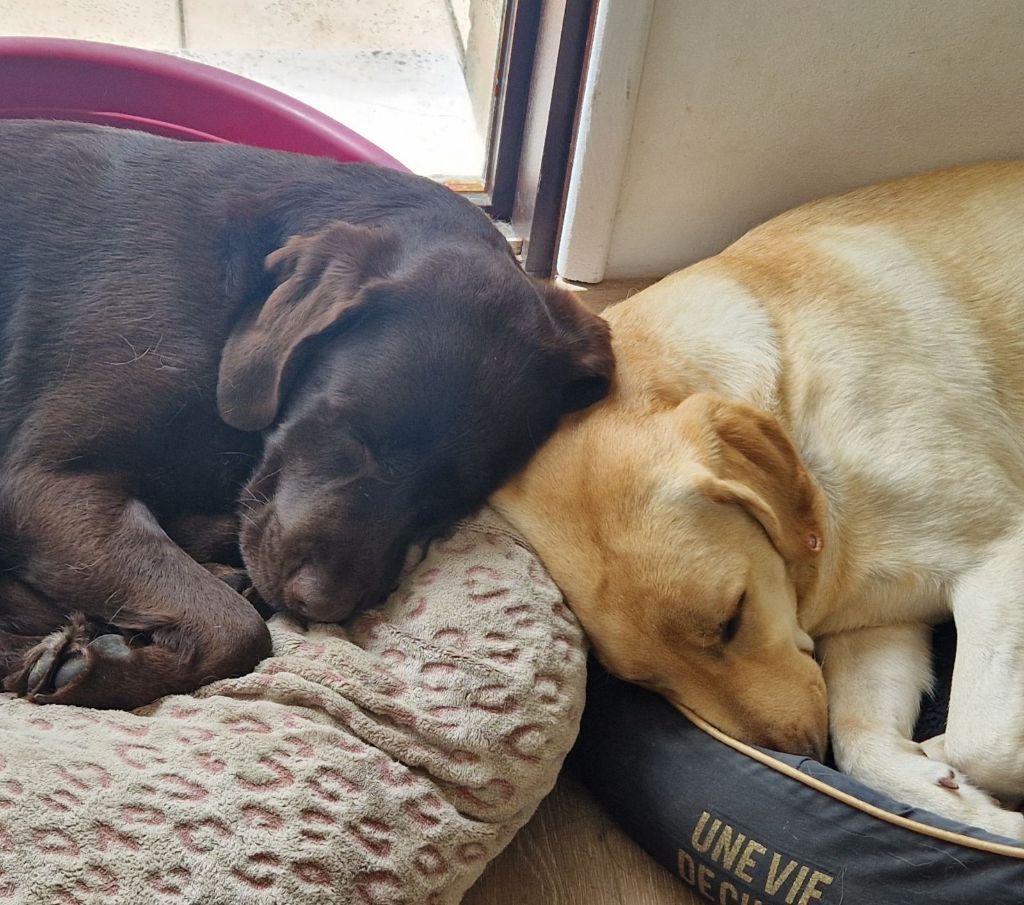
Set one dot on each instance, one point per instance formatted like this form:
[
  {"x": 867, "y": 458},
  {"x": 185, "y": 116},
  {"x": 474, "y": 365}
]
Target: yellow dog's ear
[{"x": 752, "y": 462}]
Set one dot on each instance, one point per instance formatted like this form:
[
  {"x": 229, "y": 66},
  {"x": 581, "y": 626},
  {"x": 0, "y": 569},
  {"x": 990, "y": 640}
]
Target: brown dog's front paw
[
  {"x": 93, "y": 663},
  {"x": 64, "y": 659}
]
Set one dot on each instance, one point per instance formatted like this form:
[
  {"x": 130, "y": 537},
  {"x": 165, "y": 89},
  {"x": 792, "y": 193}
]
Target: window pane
[{"x": 415, "y": 76}]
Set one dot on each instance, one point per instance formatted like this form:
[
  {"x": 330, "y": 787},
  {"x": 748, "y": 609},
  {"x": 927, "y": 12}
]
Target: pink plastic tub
[{"x": 54, "y": 78}]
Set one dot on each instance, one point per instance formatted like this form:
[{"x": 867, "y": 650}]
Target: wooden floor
[{"x": 571, "y": 853}]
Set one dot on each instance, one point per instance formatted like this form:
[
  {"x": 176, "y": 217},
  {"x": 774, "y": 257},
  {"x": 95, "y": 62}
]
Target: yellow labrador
[{"x": 815, "y": 448}]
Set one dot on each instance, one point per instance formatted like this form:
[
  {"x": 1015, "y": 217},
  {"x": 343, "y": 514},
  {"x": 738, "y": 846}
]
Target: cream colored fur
[{"x": 816, "y": 442}]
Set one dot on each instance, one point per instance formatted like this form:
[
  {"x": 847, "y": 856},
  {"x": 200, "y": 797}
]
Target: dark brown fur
[{"x": 351, "y": 351}]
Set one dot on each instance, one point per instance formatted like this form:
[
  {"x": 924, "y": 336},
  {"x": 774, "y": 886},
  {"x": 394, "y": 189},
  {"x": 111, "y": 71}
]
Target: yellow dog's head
[{"x": 682, "y": 539}]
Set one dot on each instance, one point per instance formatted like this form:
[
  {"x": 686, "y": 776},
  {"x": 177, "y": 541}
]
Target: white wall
[{"x": 747, "y": 107}]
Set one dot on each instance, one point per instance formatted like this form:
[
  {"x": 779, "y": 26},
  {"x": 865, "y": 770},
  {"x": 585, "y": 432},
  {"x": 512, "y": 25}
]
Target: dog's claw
[
  {"x": 69, "y": 671},
  {"x": 949, "y": 782}
]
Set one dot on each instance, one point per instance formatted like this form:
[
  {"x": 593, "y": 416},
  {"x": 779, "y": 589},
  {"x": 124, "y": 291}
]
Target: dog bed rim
[
  {"x": 995, "y": 848},
  {"x": 97, "y": 65}
]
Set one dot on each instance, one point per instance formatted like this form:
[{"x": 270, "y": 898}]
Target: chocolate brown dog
[{"x": 350, "y": 351}]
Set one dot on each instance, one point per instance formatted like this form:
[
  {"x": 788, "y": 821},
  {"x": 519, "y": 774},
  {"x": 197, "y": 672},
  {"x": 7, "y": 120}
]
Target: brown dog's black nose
[
  {"x": 304, "y": 592},
  {"x": 311, "y": 593}
]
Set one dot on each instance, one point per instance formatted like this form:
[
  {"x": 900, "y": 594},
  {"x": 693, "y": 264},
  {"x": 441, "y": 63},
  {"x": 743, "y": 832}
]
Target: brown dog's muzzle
[{"x": 315, "y": 594}]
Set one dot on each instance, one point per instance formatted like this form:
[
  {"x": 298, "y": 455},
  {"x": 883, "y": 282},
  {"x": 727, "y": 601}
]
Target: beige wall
[{"x": 747, "y": 107}]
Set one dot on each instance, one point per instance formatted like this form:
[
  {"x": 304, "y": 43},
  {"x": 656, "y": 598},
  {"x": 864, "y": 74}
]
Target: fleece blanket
[{"x": 381, "y": 762}]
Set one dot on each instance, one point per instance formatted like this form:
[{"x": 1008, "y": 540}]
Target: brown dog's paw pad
[
  {"x": 111, "y": 647},
  {"x": 69, "y": 671},
  {"x": 39, "y": 675},
  {"x": 105, "y": 647},
  {"x": 64, "y": 660}
]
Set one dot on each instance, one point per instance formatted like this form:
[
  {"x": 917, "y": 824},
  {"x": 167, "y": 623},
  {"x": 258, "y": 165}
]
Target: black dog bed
[{"x": 747, "y": 826}]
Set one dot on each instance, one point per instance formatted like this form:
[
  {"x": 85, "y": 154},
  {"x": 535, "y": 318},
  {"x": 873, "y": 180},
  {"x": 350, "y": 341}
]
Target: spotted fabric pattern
[{"x": 385, "y": 761}]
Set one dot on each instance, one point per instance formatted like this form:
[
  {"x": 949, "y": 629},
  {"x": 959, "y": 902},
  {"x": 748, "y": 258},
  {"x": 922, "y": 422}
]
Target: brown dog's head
[
  {"x": 397, "y": 388},
  {"x": 681, "y": 539}
]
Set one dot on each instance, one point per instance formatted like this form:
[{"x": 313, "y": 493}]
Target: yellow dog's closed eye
[{"x": 728, "y": 629}]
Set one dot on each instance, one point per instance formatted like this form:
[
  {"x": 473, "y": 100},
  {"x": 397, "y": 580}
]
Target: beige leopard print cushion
[{"x": 384, "y": 762}]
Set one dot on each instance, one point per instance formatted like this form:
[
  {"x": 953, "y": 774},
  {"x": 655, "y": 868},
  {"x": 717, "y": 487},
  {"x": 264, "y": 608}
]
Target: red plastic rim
[{"x": 88, "y": 81}]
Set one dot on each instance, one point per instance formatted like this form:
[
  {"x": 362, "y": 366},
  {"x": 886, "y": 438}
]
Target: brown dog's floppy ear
[
  {"x": 755, "y": 464},
  {"x": 320, "y": 278},
  {"x": 586, "y": 340}
]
